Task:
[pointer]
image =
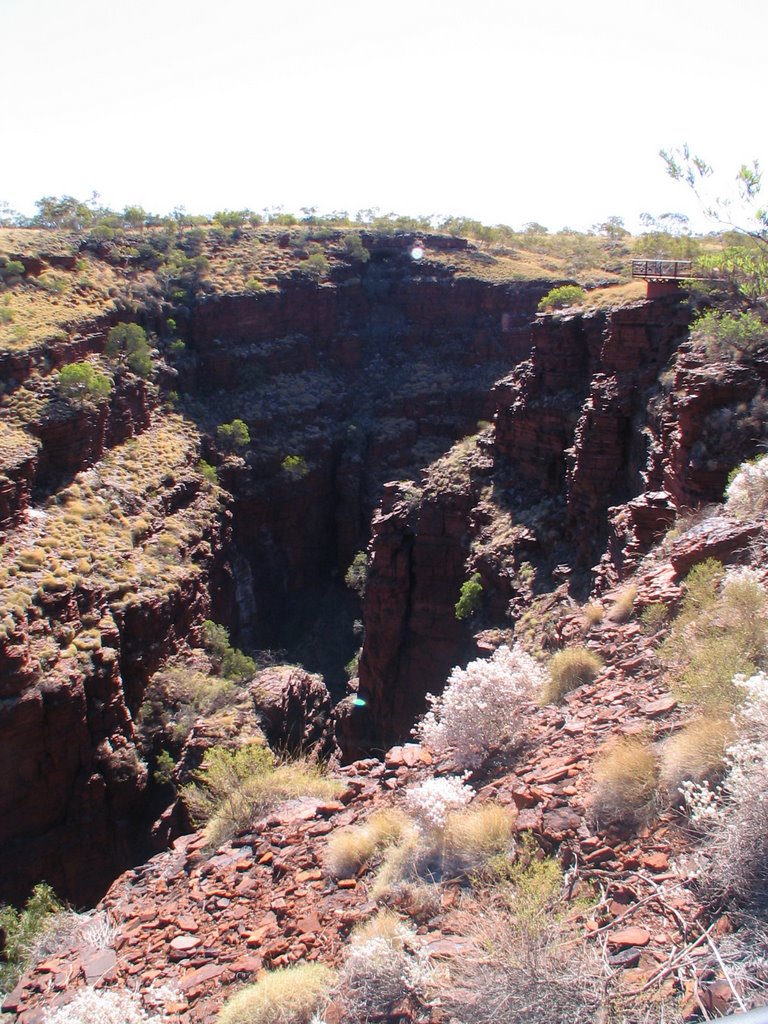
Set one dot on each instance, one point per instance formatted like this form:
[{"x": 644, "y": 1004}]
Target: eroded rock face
[
  {"x": 73, "y": 668},
  {"x": 366, "y": 381},
  {"x": 294, "y": 707},
  {"x": 592, "y": 460},
  {"x": 365, "y": 378},
  {"x": 413, "y": 637}
]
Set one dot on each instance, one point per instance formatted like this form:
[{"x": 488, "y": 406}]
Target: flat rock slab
[
  {"x": 626, "y": 937},
  {"x": 715, "y": 538},
  {"x": 655, "y": 708},
  {"x": 184, "y": 943},
  {"x": 98, "y": 964}
]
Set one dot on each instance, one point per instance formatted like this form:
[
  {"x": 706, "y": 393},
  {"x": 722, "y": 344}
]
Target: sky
[{"x": 501, "y": 111}]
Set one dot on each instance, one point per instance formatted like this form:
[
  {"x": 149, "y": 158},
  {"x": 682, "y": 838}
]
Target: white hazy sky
[{"x": 494, "y": 109}]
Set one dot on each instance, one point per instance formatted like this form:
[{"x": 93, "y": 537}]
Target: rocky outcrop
[
  {"x": 365, "y": 379},
  {"x": 294, "y": 708},
  {"x": 75, "y": 659},
  {"x": 592, "y": 460},
  {"x": 202, "y": 922},
  {"x": 419, "y": 548}
]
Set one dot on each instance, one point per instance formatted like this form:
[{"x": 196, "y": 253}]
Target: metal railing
[{"x": 664, "y": 270}]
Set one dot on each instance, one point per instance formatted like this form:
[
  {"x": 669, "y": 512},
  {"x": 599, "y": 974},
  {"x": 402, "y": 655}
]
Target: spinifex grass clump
[
  {"x": 626, "y": 777},
  {"x": 289, "y": 995},
  {"x": 721, "y": 632},
  {"x": 568, "y": 669},
  {"x": 696, "y": 753},
  {"x": 349, "y": 849},
  {"x": 234, "y": 788}
]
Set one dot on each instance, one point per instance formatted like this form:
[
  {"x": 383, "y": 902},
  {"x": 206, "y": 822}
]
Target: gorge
[{"x": 418, "y": 409}]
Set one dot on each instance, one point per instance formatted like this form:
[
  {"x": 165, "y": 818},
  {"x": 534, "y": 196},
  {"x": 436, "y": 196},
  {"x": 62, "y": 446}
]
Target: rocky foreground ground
[{"x": 202, "y": 923}]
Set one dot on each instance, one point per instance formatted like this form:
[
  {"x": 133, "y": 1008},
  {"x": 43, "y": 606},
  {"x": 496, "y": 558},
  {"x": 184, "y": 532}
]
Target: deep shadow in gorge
[{"x": 365, "y": 380}]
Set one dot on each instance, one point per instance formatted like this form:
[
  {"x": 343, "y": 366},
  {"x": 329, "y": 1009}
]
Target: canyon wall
[
  {"x": 600, "y": 439},
  {"x": 117, "y": 546}
]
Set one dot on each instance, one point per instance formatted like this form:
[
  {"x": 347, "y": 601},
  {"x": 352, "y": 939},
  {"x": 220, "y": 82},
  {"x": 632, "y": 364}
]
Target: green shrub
[
  {"x": 20, "y": 928},
  {"x": 206, "y": 470},
  {"x": 654, "y": 617},
  {"x": 234, "y": 788},
  {"x": 315, "y": 266},
  {"x": 80, "y": 382},
  {"x": 11, "y": 268},
  {"x": 234, "y": 435},
  {"x": 470, "y": 597},
  {"x": 568, "y": 669},
  {"x": 164, "y": 768},
  {"x": 354, "y": 248},
  {"x": 128, "y": 342},
  {"x": 289, "y": 995},
  {"x": 230, "y": 661},
  {"x": 729, "y": 335},
  {"x": 295, "y": 466},
  {"x": 559, "y": 298},
  {"x": 356, "y": 576},
  {"x": 254, "y": 285}
]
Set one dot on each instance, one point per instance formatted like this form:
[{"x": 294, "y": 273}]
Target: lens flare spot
[{"x": 417, "y": 252}]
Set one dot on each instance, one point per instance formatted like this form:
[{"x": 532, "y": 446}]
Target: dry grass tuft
[
  {"x": 622, "y": 607},
  {"x": 349, "y": 849},
  {"x": 695, "y": 753},
  {"x": 474, "y": 836},
  {"x": 291, "y": 995},
  {"x": 626, "y": 776},
  {"x": 593, "y": 613},
  {"x": 568, "y": 669}
]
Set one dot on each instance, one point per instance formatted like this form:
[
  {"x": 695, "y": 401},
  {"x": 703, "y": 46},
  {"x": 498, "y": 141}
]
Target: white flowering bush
[
  {"x": 734, "y": 815},
  {"x": 430, "y": 803},
  {"x": 746, "y": 496},
  {"x": 380, "y": 970},
  {"x": 480, "y": 708},
  {"x": 107, "y": 1006}
]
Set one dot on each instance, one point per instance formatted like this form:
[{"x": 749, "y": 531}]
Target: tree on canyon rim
[{"x": 744, "y": 258}]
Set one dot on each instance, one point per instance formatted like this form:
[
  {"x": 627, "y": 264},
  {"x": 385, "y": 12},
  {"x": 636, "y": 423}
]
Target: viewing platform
[{"x": 663, "y": 276}]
